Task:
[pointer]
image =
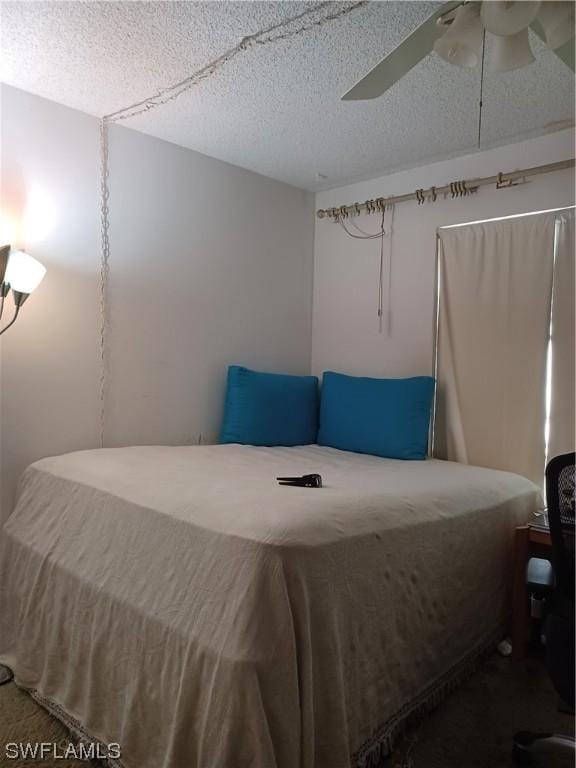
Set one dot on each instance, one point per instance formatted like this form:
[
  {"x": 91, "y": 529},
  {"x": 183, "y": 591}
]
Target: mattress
[{"x": 179, "y": 602}]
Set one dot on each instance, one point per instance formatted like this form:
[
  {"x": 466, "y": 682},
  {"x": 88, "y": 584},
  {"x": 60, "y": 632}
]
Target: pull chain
[{"x": 381, "y": 274}]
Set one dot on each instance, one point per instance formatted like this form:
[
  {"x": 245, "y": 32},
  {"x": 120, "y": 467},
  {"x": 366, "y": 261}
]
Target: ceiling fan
[{"x": 456, "y": 33}]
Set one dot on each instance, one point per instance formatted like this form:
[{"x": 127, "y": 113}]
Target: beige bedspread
[{"x": 181, "y": 603}]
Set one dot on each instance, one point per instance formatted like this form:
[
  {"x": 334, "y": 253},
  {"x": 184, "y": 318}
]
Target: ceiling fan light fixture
[
  {"x": 508, "y": 17},
  {"x": 510, "y": 52},
  {"x": 557, "y": 21},
  {"x": 461, "y": 44}
]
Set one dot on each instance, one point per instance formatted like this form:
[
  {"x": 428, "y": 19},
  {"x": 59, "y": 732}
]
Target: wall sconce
[{"x": 20, "y": 273}]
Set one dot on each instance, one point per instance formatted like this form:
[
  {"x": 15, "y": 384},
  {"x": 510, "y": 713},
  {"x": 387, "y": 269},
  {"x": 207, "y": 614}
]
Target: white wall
[
  {"x": 345, "y": 326},
  {"x": 49, "y": 386},
  {"x": 210, "y": 265}
]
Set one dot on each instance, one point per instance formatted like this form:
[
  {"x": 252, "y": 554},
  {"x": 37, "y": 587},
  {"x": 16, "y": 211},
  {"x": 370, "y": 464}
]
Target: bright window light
[
  {"x": 549, "y": 358},
  {"x": 505, "y": 218},
  {"x": 548, "y": 396}
]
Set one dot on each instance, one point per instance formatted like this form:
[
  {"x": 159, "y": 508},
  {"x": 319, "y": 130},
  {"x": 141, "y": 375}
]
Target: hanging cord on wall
[
  {"x": 380, "y": 235},
  {"x": 104, "y": 270},
  {"x": 381, "y": 272},
  {"x": 367, "y": 235},
  {"x": 274, "y": 33},
  {"x": 363, "y": 235},
  {"x": 390, "y": 260}
]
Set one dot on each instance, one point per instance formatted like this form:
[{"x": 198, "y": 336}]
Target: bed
[{"x": 179, "y": 602}]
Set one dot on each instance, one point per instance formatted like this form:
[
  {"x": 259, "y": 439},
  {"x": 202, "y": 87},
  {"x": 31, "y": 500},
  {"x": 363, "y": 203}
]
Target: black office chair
[{"x": 559, "y": 622}]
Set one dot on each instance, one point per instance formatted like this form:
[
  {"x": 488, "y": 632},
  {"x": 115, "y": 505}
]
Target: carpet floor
[{"x": 473, "y": 728}]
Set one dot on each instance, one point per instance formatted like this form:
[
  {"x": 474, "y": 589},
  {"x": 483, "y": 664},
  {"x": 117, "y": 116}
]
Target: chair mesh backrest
[
  {"x": 560, "y": 497},
  {"x": 566, "y": 496}
]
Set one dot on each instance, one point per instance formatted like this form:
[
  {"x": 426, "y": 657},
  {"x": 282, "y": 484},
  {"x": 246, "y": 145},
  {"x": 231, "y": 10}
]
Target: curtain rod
[{"x": 454, "y": 188}]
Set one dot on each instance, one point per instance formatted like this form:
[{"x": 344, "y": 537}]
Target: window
[{"x": 505, "y": 336}]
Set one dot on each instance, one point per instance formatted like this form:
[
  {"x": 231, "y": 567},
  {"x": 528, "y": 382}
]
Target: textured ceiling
[{"x": 276, "y": 109}]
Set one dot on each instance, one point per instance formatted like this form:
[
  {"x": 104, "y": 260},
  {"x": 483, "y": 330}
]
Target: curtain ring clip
[{"x": 503, "y": 183}]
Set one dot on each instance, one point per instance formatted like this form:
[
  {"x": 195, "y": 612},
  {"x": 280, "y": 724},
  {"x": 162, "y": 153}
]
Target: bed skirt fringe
[
  {"x": 77, "y": 732},
  {"x": 379, "y": 745},
  {"x": 382, "y": 742}
]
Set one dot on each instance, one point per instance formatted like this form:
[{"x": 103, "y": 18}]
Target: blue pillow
[
  {"x": 269, "y": 408},
  {"x": 384, "y": 417}
]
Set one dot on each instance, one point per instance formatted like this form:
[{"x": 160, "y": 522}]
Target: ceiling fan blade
[
  {"x": 565, "y": 53},
  {"x": 402, "y": 59}
]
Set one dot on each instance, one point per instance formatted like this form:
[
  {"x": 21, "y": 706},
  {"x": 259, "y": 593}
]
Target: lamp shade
[
  {"x": 24, "y": 272},
  {"x": 510, "y": 52},
  {"x": 557, "y": 20},
  {"x": 505, "y": 17},
  {"x": 462, "y": 42}
]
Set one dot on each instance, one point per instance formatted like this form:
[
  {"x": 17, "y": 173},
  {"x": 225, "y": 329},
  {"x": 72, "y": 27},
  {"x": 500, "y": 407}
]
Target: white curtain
[
  {"x": 563, "y": 320},
  {"x": 495, "y": 288}
]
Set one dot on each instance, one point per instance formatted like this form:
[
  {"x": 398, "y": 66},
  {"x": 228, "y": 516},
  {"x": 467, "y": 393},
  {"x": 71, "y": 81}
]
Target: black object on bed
[{"x": 304, "y": 481}]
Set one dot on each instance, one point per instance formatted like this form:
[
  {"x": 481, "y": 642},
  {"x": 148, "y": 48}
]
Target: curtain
[
  {"x": 495, "y": 288},
  {"x": 563, "y": 320}
]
